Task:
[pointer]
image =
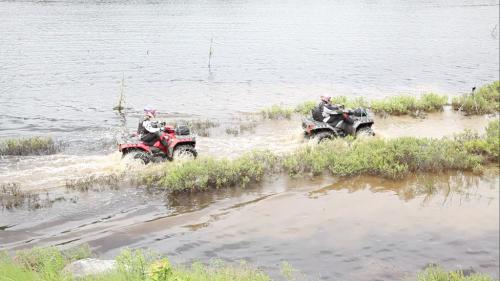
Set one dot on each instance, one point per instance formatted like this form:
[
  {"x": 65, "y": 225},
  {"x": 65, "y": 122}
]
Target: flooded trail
[
  {"x": 363, "y": 228},
  {"x": 39, "y": 173}
]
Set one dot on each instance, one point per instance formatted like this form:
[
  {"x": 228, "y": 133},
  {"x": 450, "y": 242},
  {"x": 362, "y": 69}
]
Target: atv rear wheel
[
  {"x": 365, "y": 132},
  {"x": 322, "y": 136},
  {"x": 184, "y": 152}
]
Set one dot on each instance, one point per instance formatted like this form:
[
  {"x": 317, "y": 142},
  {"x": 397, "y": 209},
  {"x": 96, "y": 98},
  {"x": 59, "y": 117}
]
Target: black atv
[{"x": 361, "y": 126}]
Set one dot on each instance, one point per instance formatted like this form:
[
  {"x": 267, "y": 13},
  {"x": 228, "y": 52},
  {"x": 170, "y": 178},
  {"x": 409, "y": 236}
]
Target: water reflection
[{"x": 449, "y": 187}]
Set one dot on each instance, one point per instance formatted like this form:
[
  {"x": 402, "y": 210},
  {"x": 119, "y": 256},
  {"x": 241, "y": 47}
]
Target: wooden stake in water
[
  {"x": 210, "y": 53},
  {"x": 120, "y": 106}
]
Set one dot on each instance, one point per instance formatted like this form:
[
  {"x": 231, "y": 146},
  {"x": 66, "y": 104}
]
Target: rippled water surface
[
  {"x": 61, "y": 70},
  {"x": 62, "y": 62},
  {"x": 355, "y": 229}
]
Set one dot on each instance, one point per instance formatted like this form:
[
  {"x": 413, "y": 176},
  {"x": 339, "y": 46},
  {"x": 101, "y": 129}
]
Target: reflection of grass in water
[
  {"x": 29, "y": 146},
  {"x": 46, "y": 264},
  {"x": 439, "y": 274},
  {"x": 483, "y": 101}
]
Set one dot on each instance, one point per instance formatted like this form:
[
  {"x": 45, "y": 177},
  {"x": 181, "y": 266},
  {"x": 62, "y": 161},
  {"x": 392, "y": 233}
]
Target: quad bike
[
  {"x": 361, "y": 126},
  {"x": 181, "y": 144}
]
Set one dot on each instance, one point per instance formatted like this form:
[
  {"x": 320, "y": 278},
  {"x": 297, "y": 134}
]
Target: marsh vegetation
[
  {"x": 29, "y": 146},
  {"x": 483, "y": 101},
  {"x": 393, "y": 158}
]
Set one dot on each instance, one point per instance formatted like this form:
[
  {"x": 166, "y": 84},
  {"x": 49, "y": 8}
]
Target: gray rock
[{"x": 81, "y": 268}]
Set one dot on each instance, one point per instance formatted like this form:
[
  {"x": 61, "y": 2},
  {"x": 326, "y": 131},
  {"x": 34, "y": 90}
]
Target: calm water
[
  {"x": 357, "y": 229},
  {"x": 62, "y": 62}
]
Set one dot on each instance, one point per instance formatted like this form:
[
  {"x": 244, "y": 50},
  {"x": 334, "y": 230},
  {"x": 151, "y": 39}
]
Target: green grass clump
[
  {"x": 28, "y": 146},
  {"x": 406, "y": 104},
  {"x": 277, "y": 112},
  {"x": 483, "y": 101},
  {"x": 438, "y": 274},
  {"x": 46, "y": 264},
  {"x": 209, "y": 172},
  {"x": 431, "y": 102},
  {"x": 488, "y": 145},
  {"x": 394, "y": 158},
  {"x": 395, "y": 105},
  {"x": 306, "y": 107}
]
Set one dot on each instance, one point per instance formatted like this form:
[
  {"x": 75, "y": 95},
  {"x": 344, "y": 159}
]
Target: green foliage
[
  {"x": 488, "y": 146},
  {"x": 483, "y": 101},
  {"x": 438, "y": 274},
  {"x": 209, "y": 172},
  {"x": 350, "y": 103},
  {"x": 431, "y": 102},
  {"x": 277, "y": 112},
  {"x": 46, "y": 264},
  {"x": 396, "y": 105},
  {"x": 387, "y": 158},
  {"x": 406, "y": 104},
  {"x": 28, "y": 146},
  {"x": 305, "y": 108}
]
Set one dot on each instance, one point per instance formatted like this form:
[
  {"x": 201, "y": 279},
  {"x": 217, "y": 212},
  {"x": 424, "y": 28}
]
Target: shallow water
[
  {"x": 50, "y": 172},
  {"x": 363, "y": 228}
]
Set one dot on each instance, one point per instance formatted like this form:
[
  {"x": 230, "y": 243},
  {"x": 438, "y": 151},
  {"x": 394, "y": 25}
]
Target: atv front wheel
[
  {"x": 365, "y": 132},
  {"x": 184, "y": 152},
  {"x": 322, "y": 136}
]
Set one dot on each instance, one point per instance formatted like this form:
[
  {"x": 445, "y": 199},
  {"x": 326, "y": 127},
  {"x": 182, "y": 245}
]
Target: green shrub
[
  {"x": 431, "y": 102},
  {"x": 438, "y": 274},
  {"x": 483, "y": 101},
  {"x": 209, "y": 172},
  {"x": 277, "y": 112},
  {"x": 29, "y": 146},
  {"x": 396, "y": 105},
  {"x": 305, "y": 108},
  {"x": 387, "y": 158},
  {"x": 46, "y": 264}
]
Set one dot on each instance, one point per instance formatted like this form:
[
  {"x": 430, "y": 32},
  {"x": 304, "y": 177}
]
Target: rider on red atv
[{"x": 149, "y": 130}]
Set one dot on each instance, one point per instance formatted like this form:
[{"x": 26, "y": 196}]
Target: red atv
[{"x": 181, "y": 144}]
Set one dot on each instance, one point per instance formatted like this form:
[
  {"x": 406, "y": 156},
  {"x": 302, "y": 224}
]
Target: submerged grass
[
  {"x": 199, "y": 127},
  {"x": 47, "y": 264},
  {"x": 483, "y": 101},
  {"x": 394, "y": 158},
  {"x": 95, "y": 182},
  {"x": 29, "y": 146}
]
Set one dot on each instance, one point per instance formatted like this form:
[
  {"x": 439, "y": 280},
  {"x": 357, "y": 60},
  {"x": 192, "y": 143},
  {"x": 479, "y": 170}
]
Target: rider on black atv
[
  {"x": 149, "y": 130},
  {"x": 329, "y": 113}
]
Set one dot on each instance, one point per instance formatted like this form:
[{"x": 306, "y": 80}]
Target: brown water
[
  {"x": 281, "y": 136},
  {"x": 356, "y": 229}
]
